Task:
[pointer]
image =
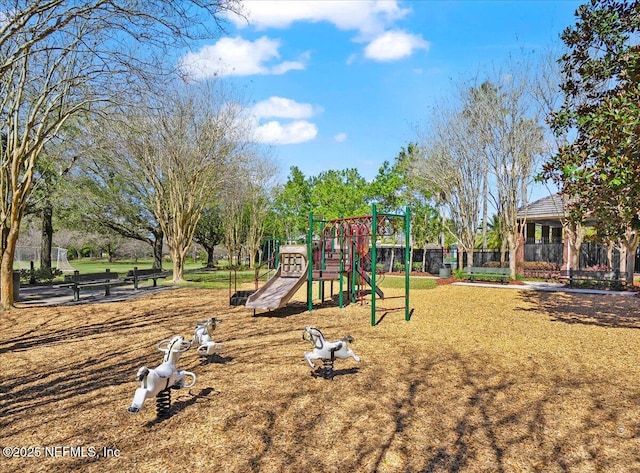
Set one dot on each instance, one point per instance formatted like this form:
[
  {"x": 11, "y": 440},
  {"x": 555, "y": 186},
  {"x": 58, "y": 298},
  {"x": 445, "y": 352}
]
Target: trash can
[{"x": 445, "y": 271}]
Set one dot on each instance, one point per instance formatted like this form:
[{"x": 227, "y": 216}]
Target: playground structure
[
  {"x": 159, "y": 381},
  {"x": 289, "y": 277},
  {"x": 342, "y": 250},
  {"x": 346, "y": 251},
  {"x": 327, "y": 352}
]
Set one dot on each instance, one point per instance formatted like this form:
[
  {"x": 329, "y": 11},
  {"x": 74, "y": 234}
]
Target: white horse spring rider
[
  {"x": 203, "y": 337},
  {"x": 324, "y": 350},
  {"x": 163, "y": 376}
]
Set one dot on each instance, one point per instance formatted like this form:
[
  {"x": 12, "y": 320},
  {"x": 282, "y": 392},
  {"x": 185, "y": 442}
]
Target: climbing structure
[{"x": 345, "y": 250}]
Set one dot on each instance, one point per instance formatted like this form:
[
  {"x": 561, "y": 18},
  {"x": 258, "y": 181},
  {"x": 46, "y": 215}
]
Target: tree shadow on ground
[
  {"x": 613, "y": 311},
  {"x": 289, "y": 310},
  {"x": 184, "y": 401}
]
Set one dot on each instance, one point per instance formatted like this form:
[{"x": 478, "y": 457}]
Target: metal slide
[
  {"x": 291, "y": 274},
  {"x": 367, "y": 279}
]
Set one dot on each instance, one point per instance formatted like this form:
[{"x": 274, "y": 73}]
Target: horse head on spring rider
[
  {"x": 327, "y": 351},
  {"x": 203, "y": 337},
  {"x": 164, "y": 376}
]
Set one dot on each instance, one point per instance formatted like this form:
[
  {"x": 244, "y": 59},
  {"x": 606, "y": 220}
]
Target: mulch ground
[{"x": 479, "y": 380}]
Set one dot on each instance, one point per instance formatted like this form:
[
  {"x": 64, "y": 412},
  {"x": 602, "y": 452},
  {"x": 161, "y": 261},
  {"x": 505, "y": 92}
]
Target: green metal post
[
  {"x": 374, "y": 258},
  {"x": 341, "y": 276},
  {"x": 310, "y": 263},
  {"x": 407, "y": 259}
]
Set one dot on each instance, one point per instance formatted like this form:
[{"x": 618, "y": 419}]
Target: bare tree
[
  {"x": 58, "y": 59},
  {"x": 492, "y": 143},
  {"x": 184, "y": 147},
  {"x": 451, "y": 169},
  {"x": 261, "y": 173},
  {"x": 233, "y": 216},
  {"x": 512, "y": 139}
]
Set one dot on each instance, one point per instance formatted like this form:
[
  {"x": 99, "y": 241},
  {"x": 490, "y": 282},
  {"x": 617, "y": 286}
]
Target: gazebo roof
[{"x": 547, "y": 211}]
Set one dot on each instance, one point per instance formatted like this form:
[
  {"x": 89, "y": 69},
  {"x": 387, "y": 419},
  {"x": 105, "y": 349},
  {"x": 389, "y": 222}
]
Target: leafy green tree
[
  {"x": 99, "y": 197},
  {"x": 386, "y": 187},
  {"x": 426, "y": 223},
  {"x": 337, "y": 194},
  {"x": 292, "y": 204},
  {"x": 599, "y": 171}
]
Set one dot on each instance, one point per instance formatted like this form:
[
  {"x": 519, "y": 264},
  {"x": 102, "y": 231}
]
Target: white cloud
[
  {"x": 340, "y": 137},
  {"x": 280, "y": 107},
  {"x": 238, "y": 57},
  {"x": 368, "y": 17},
  {"x": 299, "y": 130},
  {"x": 394, "y": 45},
  {"x": 274, "y": 132}
]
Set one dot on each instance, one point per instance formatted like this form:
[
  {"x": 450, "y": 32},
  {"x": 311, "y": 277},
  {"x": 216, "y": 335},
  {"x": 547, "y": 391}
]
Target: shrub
[
  {"x": 598, "y": 267},
  {"x": 39, "y": 275},
  {"x": 493, "y": 264},
  {"x": 460, "y": 274},
  {"x": 538, "y": 266}
]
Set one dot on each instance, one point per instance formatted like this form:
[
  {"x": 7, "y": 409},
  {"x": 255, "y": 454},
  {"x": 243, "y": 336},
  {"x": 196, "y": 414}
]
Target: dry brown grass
[{"x": 480, "y": 380}]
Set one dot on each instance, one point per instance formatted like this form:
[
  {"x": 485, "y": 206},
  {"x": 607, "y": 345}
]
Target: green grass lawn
[
  {"x": 91, "y": 265},
  {"x": 217, "y": 279},
  {"x": 397, "y": 282}
]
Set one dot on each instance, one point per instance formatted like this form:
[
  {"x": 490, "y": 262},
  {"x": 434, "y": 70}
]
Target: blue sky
[{"x": 342, "y": 84}]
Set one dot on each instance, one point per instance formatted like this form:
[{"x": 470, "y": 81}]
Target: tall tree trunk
[
  {"x": 503, "y": 252},
  {"x": 157, "y": 249},
  {"x": 6, "y": 267},
  {"x": 47, "y": 237},
  {"x": 210, "y": 256},
  {"x": 576, "y": 237},
  {"x": 424, "y": 259},
  {"x": 513, "y": 250},
  {"x": 178, "y": 258},
  {"x": 630, "y": 246},
  {"x": 485, "y": 198},
  {"x": 610, "y": 248}
]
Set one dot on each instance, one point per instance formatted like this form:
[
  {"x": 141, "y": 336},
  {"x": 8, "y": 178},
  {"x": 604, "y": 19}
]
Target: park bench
[
  {"x": 580, "y": 277},
  {"x": 105, "y": 279},
  {"x": 136, "y": 275},
  {"x": 482, "y": 273}
]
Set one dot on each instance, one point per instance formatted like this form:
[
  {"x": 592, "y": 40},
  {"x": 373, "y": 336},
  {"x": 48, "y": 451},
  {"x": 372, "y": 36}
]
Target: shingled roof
[{"x": 547, "y": 208}]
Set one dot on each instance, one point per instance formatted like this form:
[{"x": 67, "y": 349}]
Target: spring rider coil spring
[
  {"x": 327, "y": 368},
  {"x": 163, "y": 403}
]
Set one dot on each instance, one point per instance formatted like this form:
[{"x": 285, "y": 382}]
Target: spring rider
[
  {"x": 159, "y": 381},
  {"x": 326, "y": 351},
  {"x": 203, "y": 337}
]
